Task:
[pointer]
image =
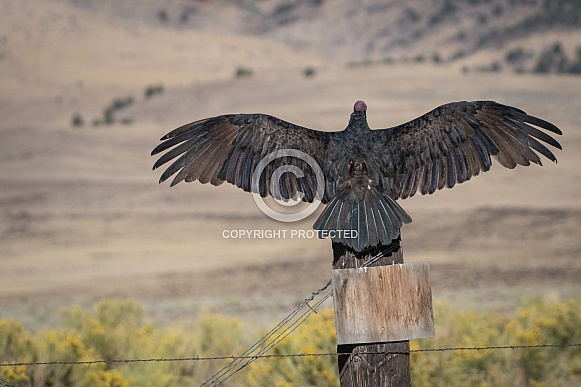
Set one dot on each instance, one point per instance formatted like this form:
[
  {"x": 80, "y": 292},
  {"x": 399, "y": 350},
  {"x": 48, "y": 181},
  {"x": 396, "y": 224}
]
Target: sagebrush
[{"x": 118, "y": 329}]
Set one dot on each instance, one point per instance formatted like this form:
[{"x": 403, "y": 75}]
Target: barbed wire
[
  {"x": 285, "y": 327},
  {"x": 271, "y": 356}
]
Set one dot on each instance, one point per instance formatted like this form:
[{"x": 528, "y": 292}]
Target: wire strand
[
  {"x": 238, "y": 364},
  {"x": 266, "y": 356},
  {"x": 4, "y": 383}
]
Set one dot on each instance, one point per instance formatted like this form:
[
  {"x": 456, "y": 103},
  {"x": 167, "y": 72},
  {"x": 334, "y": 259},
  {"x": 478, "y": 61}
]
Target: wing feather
[
  {"x": 230, "y": 165},
  {"x": 426, "y": 178},
  {"x": 451, "y": 181},
  {"x": 455, "y": 141},
  {"x": 229, "y": 148},
  {"x": 187, "y": 162},
  {"x": 213, "y": 166}
]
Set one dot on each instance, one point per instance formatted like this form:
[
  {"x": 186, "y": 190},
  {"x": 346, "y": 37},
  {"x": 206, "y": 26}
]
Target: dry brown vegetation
[{"x": 82, "y": 216}]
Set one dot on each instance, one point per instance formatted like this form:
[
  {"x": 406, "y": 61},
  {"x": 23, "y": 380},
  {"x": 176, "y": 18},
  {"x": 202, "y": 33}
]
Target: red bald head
[{"x": 360, "y": 106}]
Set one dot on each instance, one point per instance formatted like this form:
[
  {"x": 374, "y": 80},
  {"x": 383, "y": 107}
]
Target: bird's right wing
[
  {"x": 230, "y": 147},
  {"x": 454, "y": 142}
]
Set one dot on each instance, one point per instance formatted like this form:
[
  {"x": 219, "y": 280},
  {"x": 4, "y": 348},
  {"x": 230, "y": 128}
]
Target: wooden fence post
[{"x": 366, "y": 363}]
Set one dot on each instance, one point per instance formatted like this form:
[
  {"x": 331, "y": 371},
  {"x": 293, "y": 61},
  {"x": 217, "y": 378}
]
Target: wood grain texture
[
  {"x": 383, "y": 303},
  {"x": 372, "y": 364},
  {"x": 378, "y": 364}
]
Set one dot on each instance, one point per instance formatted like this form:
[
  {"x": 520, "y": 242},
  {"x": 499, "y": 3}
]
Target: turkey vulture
[{"x": 365, "y": 170}]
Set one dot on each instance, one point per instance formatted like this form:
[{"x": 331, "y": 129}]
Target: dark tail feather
[{"x": 375, "y": 220}]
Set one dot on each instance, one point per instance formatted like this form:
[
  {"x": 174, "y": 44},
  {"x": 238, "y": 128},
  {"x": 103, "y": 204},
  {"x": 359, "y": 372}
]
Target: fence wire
[
  {"x": 271, "y": 356},
  {"x": 273, "y": 337}
]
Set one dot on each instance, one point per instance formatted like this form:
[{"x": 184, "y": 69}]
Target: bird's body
[{"x": 365, "y": 170}]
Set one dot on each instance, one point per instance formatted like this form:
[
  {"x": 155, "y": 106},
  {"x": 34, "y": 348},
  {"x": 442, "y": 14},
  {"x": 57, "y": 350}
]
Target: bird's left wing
[
  {"x": 454, "y": 142},
  {"x": 230, "y": 147}
]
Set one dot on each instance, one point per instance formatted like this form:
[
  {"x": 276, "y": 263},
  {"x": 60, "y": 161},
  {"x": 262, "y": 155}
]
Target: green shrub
[
  {"x": 517, "y": 55},
  {"x": 120, "y": 103},
  {"x": 109, "y": 111},
  {"x": 108, "y": 117},
  {"x": 162, "y": 15},
  {"x": 243, "y": 72},
  {"x": 419, "y": 58},
  {"x": 436, "y": 57},
  {"x": 552, "y": 59},
  {"x": 77, "y": 120},
  {"x": 309, "y": 72},
  {"x": 152, "y": 90}
]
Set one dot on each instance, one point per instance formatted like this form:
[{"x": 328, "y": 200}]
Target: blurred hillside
[
  {"x": 522, "y": 33},
  {"x": 68, "y": 49}
]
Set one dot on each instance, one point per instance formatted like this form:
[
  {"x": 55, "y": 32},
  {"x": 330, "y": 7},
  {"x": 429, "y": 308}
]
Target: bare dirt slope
[{"x": 82, "y": 216}]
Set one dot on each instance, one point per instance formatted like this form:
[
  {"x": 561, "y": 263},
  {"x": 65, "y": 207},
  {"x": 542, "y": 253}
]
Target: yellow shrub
[
  {"x": 117, "y": 329},
  {"x": 317, "y": 335},
  {"x": 15, "y": 346}
]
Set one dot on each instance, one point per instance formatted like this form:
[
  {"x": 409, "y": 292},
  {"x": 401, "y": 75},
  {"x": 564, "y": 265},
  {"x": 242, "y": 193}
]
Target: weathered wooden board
[{"x": 383, "y": 303}]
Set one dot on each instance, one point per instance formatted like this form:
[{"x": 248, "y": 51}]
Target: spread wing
[
  {"x": 230, "y": 147},
  {"x": 454, "y": 142}
]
